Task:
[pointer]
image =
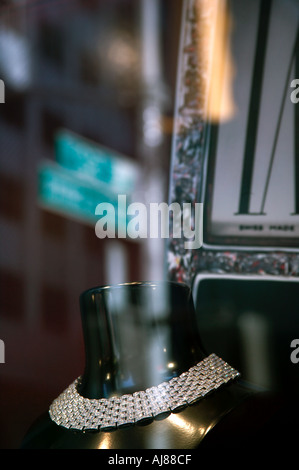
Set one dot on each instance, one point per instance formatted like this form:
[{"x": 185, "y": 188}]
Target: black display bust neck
[{"x": 137, "y": 335}]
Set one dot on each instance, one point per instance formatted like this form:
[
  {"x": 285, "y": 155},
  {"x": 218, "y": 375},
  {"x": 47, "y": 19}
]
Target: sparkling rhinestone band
[{"x": 73, "y": 411}]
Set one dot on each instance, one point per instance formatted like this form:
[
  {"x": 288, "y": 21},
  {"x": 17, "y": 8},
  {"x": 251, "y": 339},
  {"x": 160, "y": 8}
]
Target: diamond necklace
[{"x": 73, "y": 411}]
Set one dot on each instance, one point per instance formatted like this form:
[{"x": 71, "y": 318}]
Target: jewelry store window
[{"x": 117, "y": 109}]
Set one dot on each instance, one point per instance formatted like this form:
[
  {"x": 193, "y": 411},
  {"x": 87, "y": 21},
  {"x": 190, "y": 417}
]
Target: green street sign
[
  {"x": 95, "y": 162},
  {"x": 63, "y": 192}
]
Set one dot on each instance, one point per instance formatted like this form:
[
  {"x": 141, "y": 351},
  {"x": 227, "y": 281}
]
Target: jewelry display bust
[{"x": 147, "y": 381}]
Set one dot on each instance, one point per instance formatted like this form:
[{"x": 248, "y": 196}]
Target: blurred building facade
[{"x": 76, "y": 65}]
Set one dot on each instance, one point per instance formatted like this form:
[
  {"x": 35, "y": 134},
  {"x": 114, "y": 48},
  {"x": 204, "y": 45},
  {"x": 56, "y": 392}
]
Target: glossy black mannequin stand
[{"x": 136, "y": 336}]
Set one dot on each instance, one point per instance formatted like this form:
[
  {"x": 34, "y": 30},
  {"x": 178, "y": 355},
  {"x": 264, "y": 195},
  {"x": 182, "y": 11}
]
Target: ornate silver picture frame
[{"x": 235, "y": 145}]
